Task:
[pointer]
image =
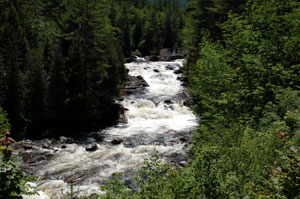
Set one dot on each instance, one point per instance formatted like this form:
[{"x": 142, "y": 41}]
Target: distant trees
[{"x": 148, "y": 26}]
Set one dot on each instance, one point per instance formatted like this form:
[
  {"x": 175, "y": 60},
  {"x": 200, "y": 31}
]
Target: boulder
[
  {"x": 178, "y": 71},
  {"x": 182, "y": 79},
  {"x": 27, "y": 147},
  {"x": 168, "y": 102},
  {"x": 123, "y": 119},
  {"x": 152, "y": 58},
  {"x": 92, "y": 147},
  {"x": 155, "y": 70},
  {"x": 169, "y": 54},
  {"x": 183, "y": 139},
  {"x": 188, "y": 99},
  {"x": 184, "y": 84},
  {"x": 129, "y": 59},
  {"x": 46, "y": 146},
  {"x": 116, "y": 141},
  {"x": 183, "y": 163},
  {"x": 64, "y": 139},
  {"x": 177, "y": 56},
  {"x": 136, "y": 82}
]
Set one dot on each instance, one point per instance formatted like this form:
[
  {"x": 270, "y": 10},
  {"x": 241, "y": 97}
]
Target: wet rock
[
  {"x": 64, "y": 139},
  {"x": 155, "y": 70},
  {"x": 116, "y": 141},
  {"x": 169, "y": 107},
  {"x": 129, "y": 92},
  {"x": 172, "y": 57},
  {"x": 139, "y": 77},
  {"x": 183, "y": 139},
  {"x": 168, "y": 102},
  {"x": 46, "y": 146},
  {"x": 184, "y": 84},
  {"x": 130, "y": 59},
  {"x": 152, "y": 58},
  {"x": 63, "y": 146},
  {"x": 28, "y": 147},
  {"x": 123, "y": 119},
  {"x": 178, "y": 71},
  {"x": 136, "y": 82},
  {"x": 183, "y": 163},
  {"x": 170, "y": 67},
  {"x": 92, "y": 147},
  {"x": 182, "y": 79},
  {"x": 121, "y": 99}
]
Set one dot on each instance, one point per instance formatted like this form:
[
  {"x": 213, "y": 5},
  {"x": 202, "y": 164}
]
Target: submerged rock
[{"x": 170, "y": 67}]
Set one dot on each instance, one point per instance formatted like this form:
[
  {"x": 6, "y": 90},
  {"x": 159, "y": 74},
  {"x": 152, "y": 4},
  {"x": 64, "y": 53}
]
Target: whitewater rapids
[{"x": 152, "y": 124}]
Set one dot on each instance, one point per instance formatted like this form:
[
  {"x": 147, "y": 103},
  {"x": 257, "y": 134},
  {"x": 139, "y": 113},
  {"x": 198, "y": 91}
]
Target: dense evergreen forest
[{"x": 64, "y": 59}]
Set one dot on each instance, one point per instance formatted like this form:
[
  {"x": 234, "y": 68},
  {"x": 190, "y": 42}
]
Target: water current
[{"x": 156, "y": 120}]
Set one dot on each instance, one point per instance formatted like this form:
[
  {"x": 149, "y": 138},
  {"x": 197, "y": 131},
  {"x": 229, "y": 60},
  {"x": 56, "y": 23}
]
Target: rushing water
[{"x": 153, "y": 124}]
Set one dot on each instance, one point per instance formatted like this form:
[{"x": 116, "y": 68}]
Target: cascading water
[{"x": 157, "y": 120}]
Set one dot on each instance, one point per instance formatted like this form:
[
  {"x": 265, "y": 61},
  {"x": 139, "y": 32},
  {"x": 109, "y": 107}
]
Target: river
[{"x": 157, "y": 120}]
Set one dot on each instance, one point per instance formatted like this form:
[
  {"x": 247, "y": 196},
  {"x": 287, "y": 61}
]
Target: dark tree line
[
  {"x": 61, "y": 61},
  {"x": 61, "y": 64}
]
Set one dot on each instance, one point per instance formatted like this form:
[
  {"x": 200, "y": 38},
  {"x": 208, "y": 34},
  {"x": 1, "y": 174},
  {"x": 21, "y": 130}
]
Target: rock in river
[{"x": 92, "y": 147}]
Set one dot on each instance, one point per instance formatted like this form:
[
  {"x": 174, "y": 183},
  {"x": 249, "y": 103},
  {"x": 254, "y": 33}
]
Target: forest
[{"x": 63, "y": 60}]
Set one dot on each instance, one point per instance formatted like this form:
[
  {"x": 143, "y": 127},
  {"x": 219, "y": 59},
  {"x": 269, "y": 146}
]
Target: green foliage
[
  {"x": 244, "y": 77},
  {"x": 12, "y": 182},
  {"x": 115, "y": 189},
  {"x": 11, "y": 179},
  {"x": 4, "y": 123}
]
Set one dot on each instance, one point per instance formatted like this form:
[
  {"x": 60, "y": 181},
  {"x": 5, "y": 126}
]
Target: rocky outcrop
[
  {"x": 136, "y": 82},
  {"x": 168, "y": 54}
]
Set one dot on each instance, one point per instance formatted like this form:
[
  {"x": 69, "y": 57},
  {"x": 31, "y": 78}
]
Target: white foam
[{"x": 146, "y": 121}]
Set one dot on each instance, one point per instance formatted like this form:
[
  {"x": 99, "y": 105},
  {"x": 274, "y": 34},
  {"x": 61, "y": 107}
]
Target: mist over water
[{"x": 152, "y": 124}]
